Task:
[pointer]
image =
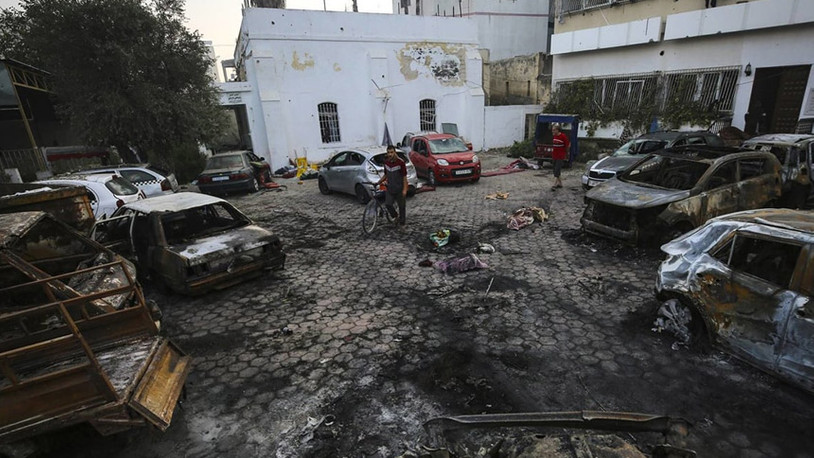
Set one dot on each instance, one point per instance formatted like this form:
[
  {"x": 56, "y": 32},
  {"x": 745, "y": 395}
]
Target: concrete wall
[
  {"x": 505, "y": 125},
  {"x": 520, "y": 80},
  {"x": 376, "y": 68},
  {"x": 506, "y": 28}
]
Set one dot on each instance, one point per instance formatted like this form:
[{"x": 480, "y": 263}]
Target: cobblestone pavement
[{"x": 353, "y": 346}]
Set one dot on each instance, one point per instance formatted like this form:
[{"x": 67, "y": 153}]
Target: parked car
[
  {"x": 443, "y": 158},
  {"x": 106, "y": 191},
  {"x": 352, "y": 171},
  {"x": 234, "y": 171},
  {"x": 632, "y": 151},
  {"x": 743, "y": 281},
  {"x": 666, "y": 194},
  {"x": 191, "y": 243},
  {"x": 794, "y": 151},
  {"x": 148, "y": 178}
]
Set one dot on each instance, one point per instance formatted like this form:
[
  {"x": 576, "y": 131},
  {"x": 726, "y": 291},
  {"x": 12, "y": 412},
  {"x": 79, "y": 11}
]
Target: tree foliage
[{"x": 126, "y": 72}]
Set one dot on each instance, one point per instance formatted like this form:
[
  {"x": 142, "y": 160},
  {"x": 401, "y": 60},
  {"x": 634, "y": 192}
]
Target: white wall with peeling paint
[{"x": 376, "y": 68}]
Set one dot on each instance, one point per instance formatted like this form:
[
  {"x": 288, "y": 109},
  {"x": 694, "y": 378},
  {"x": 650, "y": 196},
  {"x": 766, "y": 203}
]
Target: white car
[
  {"x": 148, "y": 178},
  {"x": 106, "y": 191},
  {"x": 353, "y": 171}
]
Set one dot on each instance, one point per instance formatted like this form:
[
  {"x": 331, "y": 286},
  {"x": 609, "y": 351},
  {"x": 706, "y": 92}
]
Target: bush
[
  {"x": 186, "y": 162},
  {"x": 522, "y": 149}
]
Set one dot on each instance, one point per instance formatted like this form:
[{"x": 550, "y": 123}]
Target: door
[
  {"x": 748, "y": 294},
  {"x": 797, "y": 354},
  {"x": 333, "y": 171},
  {"x": 418, "y": 156},
  {"x": 721, "y": 191},
  {"x": 777, "y": 96},
  {"x": 758, "y": 183}
]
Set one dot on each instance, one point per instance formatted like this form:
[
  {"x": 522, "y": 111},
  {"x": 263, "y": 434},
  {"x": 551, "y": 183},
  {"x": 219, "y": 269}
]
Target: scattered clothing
[
  {"x": 518, "y": 165},
  {"x": 455, "y": 265},
  {"x": 526, "y": 216},
  {"x": 485, "y": 248},
  {"x": 425, "y": 188},
  {"x": 497, "y": 195},
  {"x": 440, "y": 238}
]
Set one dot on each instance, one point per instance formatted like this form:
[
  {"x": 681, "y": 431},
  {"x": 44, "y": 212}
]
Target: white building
[
  {"x": 313, "y": 82},
  {"x": 740, "y": 57},
  {"x": 506, "y": 28}
]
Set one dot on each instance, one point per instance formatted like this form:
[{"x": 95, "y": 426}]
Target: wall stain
[
  {"x": 307, "y": 61},
  {"x": 337, "y": 68},
  {"x": 442, "y": 61}
]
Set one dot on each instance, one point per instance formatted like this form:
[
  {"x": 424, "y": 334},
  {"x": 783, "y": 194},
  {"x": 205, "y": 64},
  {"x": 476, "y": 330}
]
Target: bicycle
[{"x": 375, "y": 209}]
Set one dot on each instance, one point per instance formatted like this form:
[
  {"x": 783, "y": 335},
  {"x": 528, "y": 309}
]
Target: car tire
[
  {"x": 361, "y": 194},
  {"x": 254, "y": 186},
  {"x": 685, "y": 323},
  {"x": 323, "y": 186},
  {"x": 431, "y": 178},
  {"x": 476, "y": 179},
  {"x": 410, "y": 191}
]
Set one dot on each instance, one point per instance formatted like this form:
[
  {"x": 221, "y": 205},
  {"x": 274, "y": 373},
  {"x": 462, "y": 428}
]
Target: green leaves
[{"x": 125, "y": 72}]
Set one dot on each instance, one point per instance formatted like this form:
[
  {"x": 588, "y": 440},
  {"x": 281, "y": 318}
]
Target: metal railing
[
  {"x": 27, "y": 161},
  {"x": 572, "y": 6}
]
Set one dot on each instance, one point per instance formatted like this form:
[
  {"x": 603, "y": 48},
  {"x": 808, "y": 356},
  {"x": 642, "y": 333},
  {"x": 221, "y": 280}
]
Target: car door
[
  {"x": 747, "y": 293},
  {"x": 796, "y": 358},
  {"x": 758, "y": 182},
  {"x": 719, "y": 194},
  {"x": 331, "y": 170},
  {"x": 418, "y": 156}
]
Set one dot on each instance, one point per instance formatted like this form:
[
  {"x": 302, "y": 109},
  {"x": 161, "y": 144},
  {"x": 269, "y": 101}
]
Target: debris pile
[{"x": 526, "y": 216}]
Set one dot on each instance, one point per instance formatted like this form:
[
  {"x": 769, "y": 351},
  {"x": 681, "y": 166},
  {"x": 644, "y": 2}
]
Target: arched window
[
  {"x": 328, "y": 122},
  {"x": 426, "y": 112}
]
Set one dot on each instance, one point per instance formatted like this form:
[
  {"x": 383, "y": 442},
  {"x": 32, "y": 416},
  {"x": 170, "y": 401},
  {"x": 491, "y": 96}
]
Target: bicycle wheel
[{"x": 370, "y": 216}]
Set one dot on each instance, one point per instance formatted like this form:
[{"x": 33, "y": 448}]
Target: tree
[{"x": 126, "y": 73}]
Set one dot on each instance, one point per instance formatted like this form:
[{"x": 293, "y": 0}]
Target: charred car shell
[
  {"x": 191, "y": 243},
  {"x": 745, "y": 281},
  {"x": 668, "y": 193}
]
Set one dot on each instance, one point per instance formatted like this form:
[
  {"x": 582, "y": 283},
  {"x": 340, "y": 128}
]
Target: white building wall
[
  {"x": 505, "y": 28},
  {"x": 376, "y": 68},
  {"x": 762, "y": 46},
  {"x": 504, "y": 125}
]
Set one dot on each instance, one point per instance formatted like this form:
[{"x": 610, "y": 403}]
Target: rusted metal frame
[
  {"x": 55, "y": 375},
  {"x": 22, "y": 265},
  {"x": 140, "y": 298},
  {"x": 61, "y": 420},
  {"x": 27, "y": 79},
  {"x": 68, "y": 302},
  {"x": 613, "y": 421},
  {"x": 171, "y": 391},
  {"x": 15, "y": 353},
  {"x": 88, "y": 352},
  {"x": 29, "y": 132},
  {"x": 7, "y": 371}
]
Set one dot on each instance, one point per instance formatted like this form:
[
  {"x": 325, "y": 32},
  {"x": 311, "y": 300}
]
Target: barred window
[
  {"x": 568, "y": 6},
  {"x": 328, "y": 122},
  {"x": 713, "y": 88},
  {"x": 426, "y": 111}
]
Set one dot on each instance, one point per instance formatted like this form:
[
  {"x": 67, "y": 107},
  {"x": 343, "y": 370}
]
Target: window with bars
[
  {"x": 328, "y": 122},
  {"x": 713, "y": 88},
  {"x": 569, "y": 6},
  {"x": 426, "y": 112}
]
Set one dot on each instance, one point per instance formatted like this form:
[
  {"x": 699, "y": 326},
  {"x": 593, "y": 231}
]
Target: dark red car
[{"x": 444, "y": 158}]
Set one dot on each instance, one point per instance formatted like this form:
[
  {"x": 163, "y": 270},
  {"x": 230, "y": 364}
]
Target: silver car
[{"x": 352, "y": 172}]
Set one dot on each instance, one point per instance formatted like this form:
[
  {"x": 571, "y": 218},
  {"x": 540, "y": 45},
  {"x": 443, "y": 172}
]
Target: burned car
[
  {"x": 795, "y": 155},
  {"x": 191, "y": 243},
  {"x": 668, "y": 193},
  {"x": 745, "y": 282}
]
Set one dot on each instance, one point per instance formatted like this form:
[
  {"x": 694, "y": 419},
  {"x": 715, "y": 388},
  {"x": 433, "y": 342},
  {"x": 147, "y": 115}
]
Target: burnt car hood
[
  {"x": 615, "y": 163},
  {"x": 228, "y": 243},
  {"x": 629, "y": 195}
]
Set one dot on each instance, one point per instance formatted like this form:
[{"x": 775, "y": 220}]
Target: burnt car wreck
[
  {"x": 78, "y": 343},
  {"x": 744, "y": 282},
  {"x": 191, "y": 243},
  {"x": 668, "y": 193}
]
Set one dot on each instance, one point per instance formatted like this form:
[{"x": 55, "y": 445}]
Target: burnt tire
[
  {"x": 323, "y": 186},
  {"x": 361, "y": 194},
  {"x": 684, "y": 322}
]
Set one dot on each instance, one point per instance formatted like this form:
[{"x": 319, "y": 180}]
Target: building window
[
  {"x": 426, "y": 110},
  {"x": 570, "y": 6},
  {"x": 712, "y": 88},
  {"x": 328, "y": 122}
]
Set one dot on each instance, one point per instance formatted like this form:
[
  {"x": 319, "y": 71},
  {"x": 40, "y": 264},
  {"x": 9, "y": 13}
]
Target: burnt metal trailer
[
  {"x": 69, "y": 204},
  {"x": 78, "y": 342}
]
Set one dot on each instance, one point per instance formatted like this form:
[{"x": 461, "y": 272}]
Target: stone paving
[{"x": 353, "y": 346}]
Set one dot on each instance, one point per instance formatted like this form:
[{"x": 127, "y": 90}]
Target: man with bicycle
[{"x": 395, "y": 172}]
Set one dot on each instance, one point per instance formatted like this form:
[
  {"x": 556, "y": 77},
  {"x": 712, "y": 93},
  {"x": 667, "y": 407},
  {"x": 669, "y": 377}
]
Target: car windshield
[
  {"x": 640, "y": 146},
  {"x": 666, "y": 172},
  {"x": 232, "y": 161},
  {"x": 121, "y": 187},
  {"x": 447, "y": 145},
  {"x": 380, "y": 158},
  {"x": 186, "y": 225}
]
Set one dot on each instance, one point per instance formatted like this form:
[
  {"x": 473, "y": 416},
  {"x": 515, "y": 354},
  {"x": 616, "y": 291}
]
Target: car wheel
[
  {"x": 681, "y": 320},
  {"x": 323, "y": 186},
  {"x": 410, "y": 191},
  {"x": 362, "y": 195},
  {"x": 431, "y": 178},
  {"x": 476, "y": 179},
  {"x": 254, "y": 186}
]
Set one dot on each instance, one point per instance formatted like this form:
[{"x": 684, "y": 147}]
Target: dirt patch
[{"x": 610, "y": 248}]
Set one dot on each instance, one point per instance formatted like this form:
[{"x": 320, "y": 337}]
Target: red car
[{"x": 443, "y": 158}]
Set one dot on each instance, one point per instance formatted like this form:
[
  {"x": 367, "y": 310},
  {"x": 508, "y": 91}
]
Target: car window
[
  {"x": 752, "y": 167},
  {"x": 137, "y": 176},
  {"x": 187, "y": 225},
  {"x": 667, "y": 172},
  {"x": 232, "y": 161},
  {"x": 380, "y": 158},
  {"x": 419, "y": 146},
  {"x": 769, "y": 260},
  {"x": 92, "y": 196},
  {"x": 680, "y": 142},
  {"x": 724, "y": 175},
  {"x": 696, "y": 141},
  {"x": 342, "y": 158},
  {"x": 447, "y": 145},
  {"x": 121, "y": 187},
  {"x": 253, "y": 157},
  {"x": 355, "y": 159}
]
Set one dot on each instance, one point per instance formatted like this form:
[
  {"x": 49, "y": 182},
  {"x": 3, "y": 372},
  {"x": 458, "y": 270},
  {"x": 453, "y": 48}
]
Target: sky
[{"x": 218, "y": 21}]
